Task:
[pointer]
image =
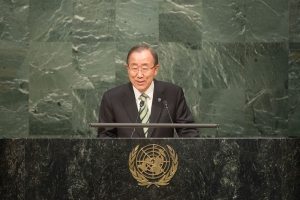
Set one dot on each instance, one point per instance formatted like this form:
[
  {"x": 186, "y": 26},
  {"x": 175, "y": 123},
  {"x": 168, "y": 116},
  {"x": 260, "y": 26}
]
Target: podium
[{"x": 208, "y": 168}]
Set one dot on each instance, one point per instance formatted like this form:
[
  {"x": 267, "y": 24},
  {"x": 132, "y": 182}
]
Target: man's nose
[{"x": 140, "y": 73}]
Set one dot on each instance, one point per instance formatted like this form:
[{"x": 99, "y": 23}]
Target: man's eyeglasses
[{"x": 144, "y": 69}]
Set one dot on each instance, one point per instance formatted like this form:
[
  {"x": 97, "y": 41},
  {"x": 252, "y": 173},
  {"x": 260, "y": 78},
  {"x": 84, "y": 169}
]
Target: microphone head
[
  {"x": 165, "y": 102},
  {"x": 159, "y": 99}
]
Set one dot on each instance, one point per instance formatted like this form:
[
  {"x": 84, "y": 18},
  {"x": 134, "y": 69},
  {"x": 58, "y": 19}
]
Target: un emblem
[{"x": 153, "y": 164}]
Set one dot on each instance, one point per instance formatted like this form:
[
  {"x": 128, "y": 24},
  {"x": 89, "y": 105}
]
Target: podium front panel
[{"x": 201, "y": 168}]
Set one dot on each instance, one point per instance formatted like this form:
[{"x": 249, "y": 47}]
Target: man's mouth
[{"x": 140, "y": 82}]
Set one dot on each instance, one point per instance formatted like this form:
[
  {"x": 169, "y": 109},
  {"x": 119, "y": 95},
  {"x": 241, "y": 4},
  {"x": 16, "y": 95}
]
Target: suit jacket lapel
[{"x": 157, "y": 106}]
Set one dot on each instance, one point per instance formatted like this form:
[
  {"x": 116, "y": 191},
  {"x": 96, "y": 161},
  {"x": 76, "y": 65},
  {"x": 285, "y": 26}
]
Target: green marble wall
[{"x": 237, "y": 60}]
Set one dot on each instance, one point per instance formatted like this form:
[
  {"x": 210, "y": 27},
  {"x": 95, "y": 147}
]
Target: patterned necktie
[{"x": 144, "y": 112}]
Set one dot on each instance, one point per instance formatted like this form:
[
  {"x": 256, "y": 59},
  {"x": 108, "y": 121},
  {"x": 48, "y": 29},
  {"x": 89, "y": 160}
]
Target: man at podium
[{"x": 144, "y": 100}]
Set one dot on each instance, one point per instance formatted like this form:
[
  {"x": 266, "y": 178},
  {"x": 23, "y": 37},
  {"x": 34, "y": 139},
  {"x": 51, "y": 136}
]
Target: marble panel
[
  {"x": 14, "y": 109},
  {"x": 137, "y": 20},
  {"x": 51, "y": 115},
  {"x": 226, "y": 108},
  {"x": 267, "y": 20},
  {"x": 13, "y": 89},
  {"x": 12, "y": 61},
  {"x": 294, "y": 21},
  {"x": 294, "y": 70},
  {"x": 93, "y": 21},
  {"x": 294, "y": 46},
  {"x": 94, "y": 62},
  {"x": 50, "y": 21},
  {"x": 12, "y": 169},
  {"x": 181, "y": 23},
  {"x": 186, "y": 3},
  {"x": 267, "y": 87},
  {"x": 294, "y": 94},
  {"x": 85, "y": 109},
  {"x": 13, "y": 21},
  {"x": 223, "y": 65},
  {"x": 52, "y": 77},
  {"x": 181, "y": 65},
  {"x": 224, "y": 21},
  {"x": 264, "y": 170},
  {"x": 50, "y": 69},
  {"x": 294, "y": 113}
]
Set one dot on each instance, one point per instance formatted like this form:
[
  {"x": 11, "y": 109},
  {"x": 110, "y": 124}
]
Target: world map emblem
[{"x": 153, "y": 164}]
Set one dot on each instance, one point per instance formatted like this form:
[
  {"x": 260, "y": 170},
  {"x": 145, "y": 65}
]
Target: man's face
[{"x": 141, "y": 69}]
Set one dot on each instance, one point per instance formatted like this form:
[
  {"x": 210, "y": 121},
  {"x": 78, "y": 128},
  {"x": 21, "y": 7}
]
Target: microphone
[
  {"x": 167, "y": 108},
  {"x": 139, "y": 112}
]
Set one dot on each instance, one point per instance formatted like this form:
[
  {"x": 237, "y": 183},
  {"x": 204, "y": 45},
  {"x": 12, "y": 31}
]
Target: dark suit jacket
[{"x": 118, "y": 105}]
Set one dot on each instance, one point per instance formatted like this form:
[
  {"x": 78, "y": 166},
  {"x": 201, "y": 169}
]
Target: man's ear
[{"x": 156, "y": 69}]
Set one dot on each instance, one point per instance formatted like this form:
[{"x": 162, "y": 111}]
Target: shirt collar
[{"x": 148, "y": 92}]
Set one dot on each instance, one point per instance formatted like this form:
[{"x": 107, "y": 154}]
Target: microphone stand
[{"x": 139, "y": 112}]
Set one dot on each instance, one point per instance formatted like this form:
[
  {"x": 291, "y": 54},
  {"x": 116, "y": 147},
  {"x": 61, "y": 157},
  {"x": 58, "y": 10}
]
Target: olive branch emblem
[{"x": 154, "y": 168}]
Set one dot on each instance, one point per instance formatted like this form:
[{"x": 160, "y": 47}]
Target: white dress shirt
[{"x": 148, "y": 92}]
